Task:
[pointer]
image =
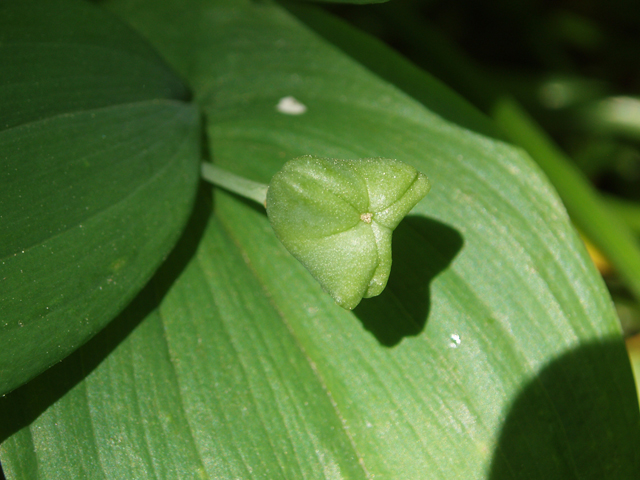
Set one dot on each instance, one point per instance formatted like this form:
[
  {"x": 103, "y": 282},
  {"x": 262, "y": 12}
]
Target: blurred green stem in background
[
  {"x": 585, "y": 205},
  {"x": 627, "y": 211}
]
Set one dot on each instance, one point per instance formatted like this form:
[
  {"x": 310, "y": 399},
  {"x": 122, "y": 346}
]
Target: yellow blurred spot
[
  {"x": 602, "y": 264},
  {"x": 633, "y": 349}
]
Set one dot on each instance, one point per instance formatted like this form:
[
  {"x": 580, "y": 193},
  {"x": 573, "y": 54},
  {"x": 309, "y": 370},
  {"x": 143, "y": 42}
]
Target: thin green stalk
[
  {"x": 585, "y": 206},
  {"x": 626, "y": 210},
  {"x": 235, "y": 183}
]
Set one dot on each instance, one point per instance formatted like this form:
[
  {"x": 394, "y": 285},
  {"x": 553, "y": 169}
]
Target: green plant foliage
[
  {"x": 588, "y": 210},
  {"x": 358, "y": 2},
  {"x": 494, "y": 351},
  {"x": 337, "y": 217},
  {"x": 99, "y": 160}
]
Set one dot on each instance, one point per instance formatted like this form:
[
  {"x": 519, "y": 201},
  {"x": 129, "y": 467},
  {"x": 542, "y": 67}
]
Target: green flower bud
[{"x": 337, "y": 216}]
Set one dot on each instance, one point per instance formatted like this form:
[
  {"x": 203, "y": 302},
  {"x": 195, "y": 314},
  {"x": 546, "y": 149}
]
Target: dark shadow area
[
  {"x": 21, "y": 407},
  {"x": 578, "y": 419},
  {"x": 422, "y": 248},
  {"x": 394, "y": 68}
]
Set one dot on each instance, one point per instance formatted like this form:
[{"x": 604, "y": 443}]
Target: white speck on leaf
[
  {"x": 455, "y": 340},
  {"x": 291, "y": 106}
]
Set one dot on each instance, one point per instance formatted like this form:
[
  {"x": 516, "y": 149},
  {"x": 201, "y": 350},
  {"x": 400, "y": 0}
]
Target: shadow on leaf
[
  {"x": 21, "y": 407},
  {"x": 577, "y": 419},
  {"x": 422, "y": 248},
  {"x": 389, "y": 65}
]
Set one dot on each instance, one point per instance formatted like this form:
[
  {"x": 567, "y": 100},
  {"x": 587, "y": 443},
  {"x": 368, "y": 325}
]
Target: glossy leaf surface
[
  {"x": 493, "y": 352},
  {"x": 99, "y": 160}
]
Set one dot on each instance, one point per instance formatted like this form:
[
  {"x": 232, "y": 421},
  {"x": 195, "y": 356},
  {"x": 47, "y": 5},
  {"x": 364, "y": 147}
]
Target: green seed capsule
[{"x": 337, "y": 216}]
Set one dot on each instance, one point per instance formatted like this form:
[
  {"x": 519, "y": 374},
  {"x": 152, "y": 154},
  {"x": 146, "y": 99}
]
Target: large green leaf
[
  {"x": 493, "y": 353},
  {"x": 99, "y": 160}
]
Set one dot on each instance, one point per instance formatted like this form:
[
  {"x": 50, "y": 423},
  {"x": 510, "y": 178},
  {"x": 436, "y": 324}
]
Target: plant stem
[
  {"x": 235, "y": 183},
  {"x": 584, "y": 204}
]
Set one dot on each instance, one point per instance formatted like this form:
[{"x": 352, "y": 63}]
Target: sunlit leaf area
[{"x": 164, "y": 315}]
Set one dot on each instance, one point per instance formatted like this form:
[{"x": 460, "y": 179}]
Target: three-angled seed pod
[{"x": 337, "y": 216}]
